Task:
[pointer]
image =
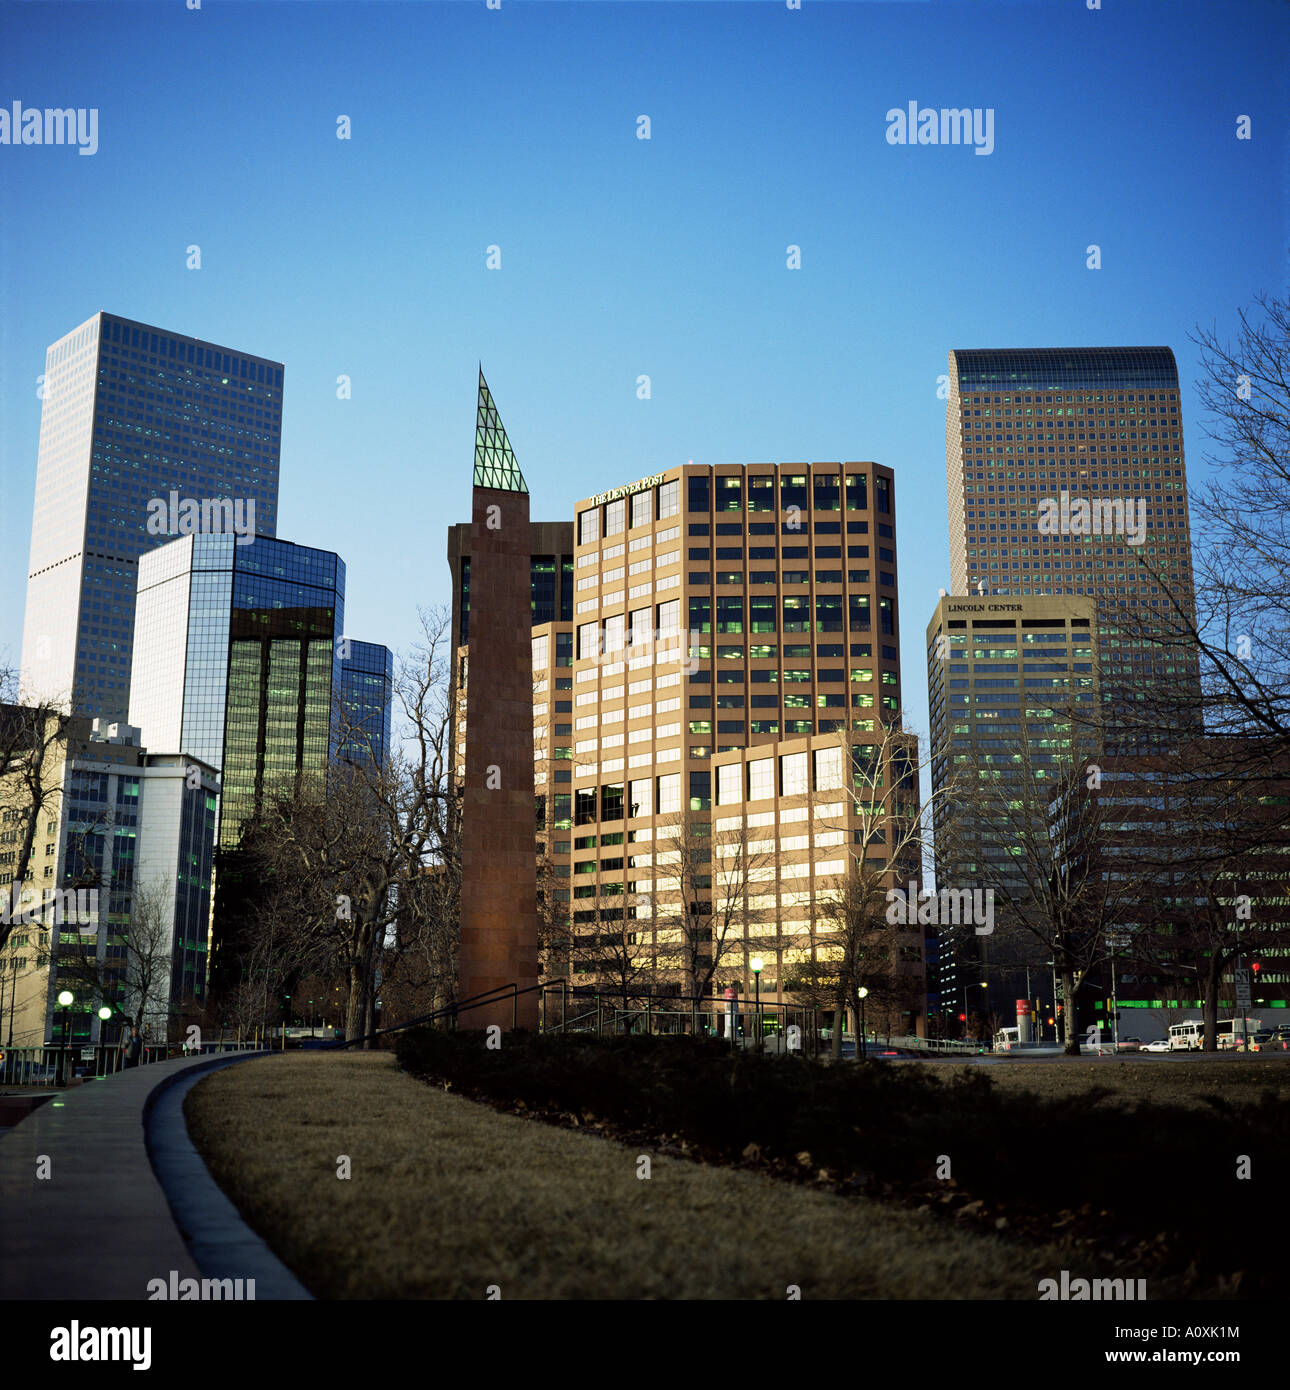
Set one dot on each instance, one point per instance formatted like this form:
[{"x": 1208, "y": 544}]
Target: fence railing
[{"x": 56, "y": 1064}]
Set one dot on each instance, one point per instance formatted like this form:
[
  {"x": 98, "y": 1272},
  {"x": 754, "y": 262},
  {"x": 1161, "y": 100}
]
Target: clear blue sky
[{"x": 620, "y": 256}]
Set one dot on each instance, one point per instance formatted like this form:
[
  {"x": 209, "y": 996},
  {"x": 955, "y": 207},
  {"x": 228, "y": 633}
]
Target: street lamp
[
  {"x": 756, "y": 965},
  {"x": 104, "y": 1014},
  {"x": 862, "y": 994},
  {"x": 65, "y": 1001},
  {"x": 979, "y": 984}
]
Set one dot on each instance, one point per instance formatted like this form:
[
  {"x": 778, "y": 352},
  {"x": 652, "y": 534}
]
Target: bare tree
[
  {"x": 33, "y": 737},
  {"x": 872, "y": 805},
  {"x": 1207, "y": 854},
  {"x": 363, "y": 861},
  {"x": 1229, "y": 622},
  {"x": 1050, "y": 883},
  {"x": 704, "y": 920}
]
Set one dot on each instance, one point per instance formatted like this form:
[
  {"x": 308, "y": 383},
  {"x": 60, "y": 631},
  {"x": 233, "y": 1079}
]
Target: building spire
[{"x": 495, "y": 464}]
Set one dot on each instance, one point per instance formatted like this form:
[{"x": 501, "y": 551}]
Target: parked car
[{"x": 1160, "y": 1045}]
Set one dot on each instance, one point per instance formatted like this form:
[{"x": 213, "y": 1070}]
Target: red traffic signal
[
  {"x": 1255, "y": 966},
  {"x": 963, "y": 1018}
]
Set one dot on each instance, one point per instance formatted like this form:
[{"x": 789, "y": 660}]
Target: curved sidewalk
[{"x": 101, "y": 1225}]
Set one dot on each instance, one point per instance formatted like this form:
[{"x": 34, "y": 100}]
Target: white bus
[{"x": 1190, "y": 1036}]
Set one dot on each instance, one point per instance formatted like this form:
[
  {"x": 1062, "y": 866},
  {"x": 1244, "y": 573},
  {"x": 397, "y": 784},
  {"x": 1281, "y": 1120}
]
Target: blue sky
[{"x": 623, "y": 257}]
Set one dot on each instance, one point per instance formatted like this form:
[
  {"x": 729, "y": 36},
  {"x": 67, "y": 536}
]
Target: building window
[
  {"x": 700, "y": 492},
  {"x": 729, "y": 784},
  {"x": 669, "y": 794},
  {"x": 730, "y": 613},
  {"x": 669, "y": 498},
  {"x": 792, "y": 492},
  {"x": 615, "y": 516},
  {"x": 761, "y": 781},
  {"x": 589, "y": 526},
  {"x": 828, "y": 768},
  {"x": 761, "y": 493},
  {"x": 643, "y": 507},
  {"x": 641, "y": 798},
  {"x": 792, "y": 774},
  {"x": 611, "y": 801},
  {"x": 825, "y": 486}
]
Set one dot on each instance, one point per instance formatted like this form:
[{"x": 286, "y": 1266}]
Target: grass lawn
[
  {"x": 1184, "y": 1081},
  {"x": 448, "y": 1197}
]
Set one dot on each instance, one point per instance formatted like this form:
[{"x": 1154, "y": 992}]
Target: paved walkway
[{"x": 83, "y": 1214}]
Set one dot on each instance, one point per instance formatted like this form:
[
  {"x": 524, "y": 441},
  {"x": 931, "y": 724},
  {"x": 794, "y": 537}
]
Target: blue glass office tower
[
  {"x": 237, "y": 661},
  {"x": 131, "y": 414},
  {"x": 366, "y": 693}
]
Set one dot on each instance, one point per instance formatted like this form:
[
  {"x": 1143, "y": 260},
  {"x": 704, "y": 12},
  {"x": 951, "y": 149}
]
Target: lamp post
[
  {"x": 756, "y": 965},
  {"x": 862, "y": 1042},
  {"x": 13, "y": 994},
  {"x": 980, "y": 984},
  {"x": 65, "y": 1001},
  {"x": 104, "y": 1014}
]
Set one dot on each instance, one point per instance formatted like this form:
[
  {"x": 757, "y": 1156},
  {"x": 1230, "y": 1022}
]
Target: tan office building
[{"x": 1066, "y": 476}]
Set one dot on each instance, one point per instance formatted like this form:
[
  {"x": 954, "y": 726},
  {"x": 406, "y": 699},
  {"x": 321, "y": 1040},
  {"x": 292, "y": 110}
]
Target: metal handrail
[{"x": 497, "y": 995}]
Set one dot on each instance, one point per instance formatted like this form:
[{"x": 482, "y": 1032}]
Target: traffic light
[
  {"x": 1050, "y": 1023},
  {"x": 1255, "y": 966},
  {"x": 963, "y": 1018}
]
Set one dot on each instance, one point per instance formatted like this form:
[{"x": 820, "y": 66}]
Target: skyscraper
[
  {"x": 132, "y": 415},
  {"x": 366, "y": 695},
  {"x": 237, "y": 660},
  {"x": 741, "y": 610},
  {"x": 1065, "y": 471},
  {"x": 1006, "y": 678}
]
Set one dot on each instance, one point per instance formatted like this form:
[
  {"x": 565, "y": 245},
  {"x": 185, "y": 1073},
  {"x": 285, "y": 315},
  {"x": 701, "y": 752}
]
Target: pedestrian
[{"x": 131, "y": 1046}]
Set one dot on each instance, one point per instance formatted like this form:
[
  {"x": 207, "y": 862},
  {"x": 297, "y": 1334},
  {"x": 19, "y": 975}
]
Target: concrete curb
[
  {"x": 99, "y": 1224},
  {"x": 220, "y": 1241}
]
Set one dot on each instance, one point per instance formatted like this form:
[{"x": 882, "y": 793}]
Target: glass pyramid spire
[{"x": 495, "y": 464}]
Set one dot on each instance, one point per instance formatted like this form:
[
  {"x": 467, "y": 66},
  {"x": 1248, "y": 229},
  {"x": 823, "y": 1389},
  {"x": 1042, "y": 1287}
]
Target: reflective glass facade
[
  {"x": 132, "y": 413},
  {"x": 237, "y": 660},
  {"x": 366, "y": 688},
  {"x": 1066, "y": 369}
]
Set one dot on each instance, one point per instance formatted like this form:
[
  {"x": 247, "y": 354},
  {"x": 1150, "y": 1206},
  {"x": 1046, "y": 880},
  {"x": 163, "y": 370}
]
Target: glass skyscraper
[
  {"x": 131, "y": 415},
  {"x": 237, "y": 660},
  {"x": 366, "y": 691}
]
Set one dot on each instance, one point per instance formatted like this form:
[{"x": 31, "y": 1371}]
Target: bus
[{"x": 1190, "y": 1036}]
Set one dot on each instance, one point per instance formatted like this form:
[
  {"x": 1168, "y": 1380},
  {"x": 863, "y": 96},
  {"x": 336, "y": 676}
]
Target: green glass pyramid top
[{"x": 495, "y": 464}]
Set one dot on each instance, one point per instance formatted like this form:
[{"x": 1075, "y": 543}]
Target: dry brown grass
[
  {"x": 448, "y": 1197},
  {"x": 1184, "y": 1081}
]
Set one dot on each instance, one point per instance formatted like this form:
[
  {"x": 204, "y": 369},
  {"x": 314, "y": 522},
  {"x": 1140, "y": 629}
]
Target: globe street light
[
  {"x": 65, "y": 1000},
  {"x": 862, "y": 994},
  {"x": 104, "y": 1014},
  {"x": 756, "y": 965}
]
